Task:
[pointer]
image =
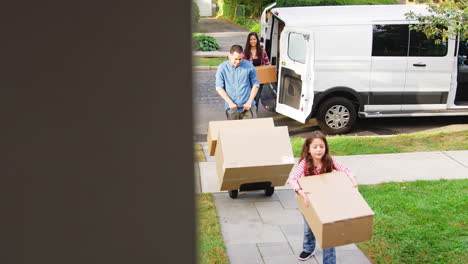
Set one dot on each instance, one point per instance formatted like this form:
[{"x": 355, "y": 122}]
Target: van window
[
  {"x": 421, "y": 46},
  {"x": 390, "y": 40},
  {"x": 297, "y": 47}
]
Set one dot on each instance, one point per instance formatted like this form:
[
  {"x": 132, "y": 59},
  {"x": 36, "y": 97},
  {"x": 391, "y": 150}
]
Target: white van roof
[{"x": 341, "y": 15}]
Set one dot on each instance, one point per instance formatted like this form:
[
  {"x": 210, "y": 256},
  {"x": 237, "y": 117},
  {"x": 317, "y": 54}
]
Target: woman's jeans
[
  {"x": 329, "y": 255},
  {"x": 257, "y": 97}
]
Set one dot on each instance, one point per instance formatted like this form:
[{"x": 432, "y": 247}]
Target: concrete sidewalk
[{"x": 260, "y": 229}]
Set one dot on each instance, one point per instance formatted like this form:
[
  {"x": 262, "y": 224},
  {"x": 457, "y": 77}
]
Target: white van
[{"x": 337, "y": 63}]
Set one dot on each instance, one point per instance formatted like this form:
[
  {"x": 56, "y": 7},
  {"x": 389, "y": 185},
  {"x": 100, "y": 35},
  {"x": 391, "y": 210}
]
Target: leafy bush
[
  {"x": 227, "y": 8},
  {"x": 195, "y": 14},
  {"x": 240, "y": 20},
  {"x": 253, "y": 27},
  {"x": 205, "y": 43},
  {"x": 253, "y": 8}
]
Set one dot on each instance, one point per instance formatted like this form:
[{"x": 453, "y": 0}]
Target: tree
[{"x": 445, "y": 20}]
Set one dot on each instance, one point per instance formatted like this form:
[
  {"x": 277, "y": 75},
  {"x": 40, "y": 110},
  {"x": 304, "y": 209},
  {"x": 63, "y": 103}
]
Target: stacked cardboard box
[
  {"x": 251, "y": 151},
  {"x": 215, "y": 126},
  {"x": 337, "y": 214}
]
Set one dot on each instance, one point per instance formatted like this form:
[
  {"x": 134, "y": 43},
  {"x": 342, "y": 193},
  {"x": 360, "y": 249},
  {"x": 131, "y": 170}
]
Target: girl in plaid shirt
[{"x": 316, "y": 159}]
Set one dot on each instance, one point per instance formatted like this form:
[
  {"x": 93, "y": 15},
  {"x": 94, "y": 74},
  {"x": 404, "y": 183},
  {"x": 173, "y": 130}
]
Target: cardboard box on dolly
[
  {"x": 215, "y": 126},
  {"x": 253, "y": 159}
]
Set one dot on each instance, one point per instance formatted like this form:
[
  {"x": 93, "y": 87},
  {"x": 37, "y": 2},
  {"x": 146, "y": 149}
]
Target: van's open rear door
[
  {"x": 266, "y": 24},
  {"x": 295, "y": 93}
]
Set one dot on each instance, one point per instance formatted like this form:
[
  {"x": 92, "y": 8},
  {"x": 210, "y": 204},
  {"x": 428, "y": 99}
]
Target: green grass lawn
[
  {"x": 198, "y": 154},
  {"x": 415, "y": 142},
  {"x": 208, "y": 61},
  {"x": 211, "y": 247},
  {"x": 418, "y": 222}
]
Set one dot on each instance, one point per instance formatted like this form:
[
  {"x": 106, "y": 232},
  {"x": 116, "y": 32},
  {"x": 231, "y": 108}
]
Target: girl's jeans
[{"x": 329, "y": 255}]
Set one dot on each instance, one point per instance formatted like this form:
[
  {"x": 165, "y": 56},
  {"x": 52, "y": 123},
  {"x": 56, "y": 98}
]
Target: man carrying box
[{"x": 237, "y": 84}]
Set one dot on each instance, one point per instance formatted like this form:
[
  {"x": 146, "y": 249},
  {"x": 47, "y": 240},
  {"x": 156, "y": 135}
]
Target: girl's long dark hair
[
  {"x": 257, "y": 47},
  {"x": 327, "y": 162}
]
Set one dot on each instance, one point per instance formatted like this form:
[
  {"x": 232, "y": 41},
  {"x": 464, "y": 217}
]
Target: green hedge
[
  {"x": 285, "y": 3},
  {"x": 253, "y": 8}
]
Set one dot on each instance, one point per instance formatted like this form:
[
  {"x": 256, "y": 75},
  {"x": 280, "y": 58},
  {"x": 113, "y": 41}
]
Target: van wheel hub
[{"x": 337, "y": 116}]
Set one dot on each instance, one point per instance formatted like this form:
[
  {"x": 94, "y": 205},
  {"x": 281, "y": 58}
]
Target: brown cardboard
[
  {"x": 249, "y": 155},
  {"x": 215, "y": 126},
  {"x": 338, "y": 214},
  {"x": 266, "y": 74}
]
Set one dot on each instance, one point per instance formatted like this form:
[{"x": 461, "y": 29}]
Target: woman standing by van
[
  {"x": 257, "y": 56},
  {"x": 253, "y": 52}
]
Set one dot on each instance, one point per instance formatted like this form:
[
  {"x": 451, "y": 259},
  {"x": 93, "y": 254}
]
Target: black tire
[
  {"x": 269, "y": 191},
  {"x": 233, "y": 193},
  {"x": 336, "y": 115}
]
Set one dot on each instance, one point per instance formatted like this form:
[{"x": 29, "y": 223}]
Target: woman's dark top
[{"x": 256, "y": 62}]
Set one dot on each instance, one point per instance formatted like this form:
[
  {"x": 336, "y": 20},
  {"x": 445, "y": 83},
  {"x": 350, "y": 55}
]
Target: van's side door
[
  {"x": 295, "y": 96},
  {"x": 389, "y": 65},
  {"x": 429, "y": 73}
]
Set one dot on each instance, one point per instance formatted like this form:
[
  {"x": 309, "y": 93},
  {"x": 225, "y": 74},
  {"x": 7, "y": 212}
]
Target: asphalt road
[{"x": 208, "y": 106}]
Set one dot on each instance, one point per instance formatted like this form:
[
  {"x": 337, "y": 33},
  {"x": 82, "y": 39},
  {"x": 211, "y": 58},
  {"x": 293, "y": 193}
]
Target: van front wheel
[{"x": 336, "y": 115}]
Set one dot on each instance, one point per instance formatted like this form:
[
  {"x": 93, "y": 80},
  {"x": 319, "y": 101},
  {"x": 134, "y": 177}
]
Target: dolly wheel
[
  {"x": 269, "y": 191},
  {"x": 233, "y": 193}
]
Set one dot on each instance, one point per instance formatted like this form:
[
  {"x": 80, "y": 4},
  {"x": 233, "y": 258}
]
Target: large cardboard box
[
  {"x": 215, "y": 126},
  {"x": 337, "y": 214},
  {"x": 252, "y": 155},
  {"x": 266, "y": 74}
]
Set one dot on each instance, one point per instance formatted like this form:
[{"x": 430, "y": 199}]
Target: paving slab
[
  {"x": 273, "y": 213},
  {"x": 287, "y": 199},
  {"x": 296, "y": 245},
  {"x": 251, "y": 233},
  {"x": 287, "y": 259},
  {"x": 361, "y": 167},
  {"x": 208, "y": 177},
  {"x": 244, "y": 254},
  {"x": 412, "y": 166},
  {"x": 294, "y": 233},
  {"x": 350, "y": 254},
  {"x": 241, "y": 222},
  {"x": 197, "y": 184},
  {"x": 460, "y": 156},
  {"x": 238, "y": 213},
  {"x": 268, "y": 250}
]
